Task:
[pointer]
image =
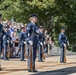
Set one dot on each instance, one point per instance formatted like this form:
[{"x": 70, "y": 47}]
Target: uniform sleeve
[
  {"x": 43, "y": 37},
  {"x": 37, "y": 31},
  {"x": 27, "y": 31},
  {"x": 20, "y": 36},
  {"x": 60, "y": 39},
  {"x": 3, "y": 31}
]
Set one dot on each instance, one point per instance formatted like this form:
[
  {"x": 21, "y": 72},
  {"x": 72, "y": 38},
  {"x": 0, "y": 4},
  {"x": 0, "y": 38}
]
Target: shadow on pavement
[{"x": 65, "y": 71}]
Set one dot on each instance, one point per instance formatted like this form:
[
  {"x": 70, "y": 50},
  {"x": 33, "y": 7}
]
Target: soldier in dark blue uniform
[
  {"x": 63, "y": 42},
  {"x": 32, "y": 40},
  {"x": 7, "y": 43},
  {"x": 22, "y": 43},
  {"x": 41, "y": 45},
  {"x": 2, "y": 32}
]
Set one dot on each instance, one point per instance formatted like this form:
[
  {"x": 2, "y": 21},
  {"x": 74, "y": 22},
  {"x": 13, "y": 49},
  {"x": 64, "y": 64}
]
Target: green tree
[{"x": 52, "y": 14}]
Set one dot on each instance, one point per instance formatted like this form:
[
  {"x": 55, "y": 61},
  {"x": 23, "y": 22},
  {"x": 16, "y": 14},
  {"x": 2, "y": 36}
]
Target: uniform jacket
[
  {"x": 62, "y": 39},
  {"x": 32, "y": 32},
  {"x": 22, "y": 38}
]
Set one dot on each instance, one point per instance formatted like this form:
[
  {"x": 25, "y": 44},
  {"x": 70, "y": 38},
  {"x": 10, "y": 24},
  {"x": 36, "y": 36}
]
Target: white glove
[
  {"x": 41, "y": 43},
  {"x": 7, "y": 41},
  {"x": 44, "y": 42},
  {"x": 64, "y": 45},
  {"x": 24, "y": 42},
  {"x": 31, "y": 43},
  {"x": 37, "y": 31}
]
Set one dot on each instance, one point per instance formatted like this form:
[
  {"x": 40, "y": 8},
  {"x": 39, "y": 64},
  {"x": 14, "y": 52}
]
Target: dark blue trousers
[
  {"x": 22, "y": 52},
  {"x": 62, "y": 54},
  {"x": 5, "y": 50},
  {"x": 39, "y": 52}
]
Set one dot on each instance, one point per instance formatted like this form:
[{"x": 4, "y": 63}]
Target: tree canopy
[{"x": 52, "y": 14}]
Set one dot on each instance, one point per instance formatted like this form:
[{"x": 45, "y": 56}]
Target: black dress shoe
[
  {"x": 22, "y": 60},
  {"x": 0, "y": 69},
  {"x": 6, "y": 59},
  {"x": 34, "y": 71},
  {"x": 29, "y": 71},
  {"x": 41, "y": 61},
  {"x": 2, "y": 58},
  {"x": 62, "y": 62}
]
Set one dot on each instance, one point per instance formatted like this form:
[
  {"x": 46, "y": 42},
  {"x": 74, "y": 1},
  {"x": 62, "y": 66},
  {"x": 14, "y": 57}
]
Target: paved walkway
[{"x": 51, "y": 66}]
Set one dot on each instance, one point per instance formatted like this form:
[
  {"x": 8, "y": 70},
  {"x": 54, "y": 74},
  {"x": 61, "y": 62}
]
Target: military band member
[
  {"x": 41, "y": 45},
  {"x": 32, "y": 40},
  {"x": 63, "y": 42},
  {"x": 22, "y": 43}
]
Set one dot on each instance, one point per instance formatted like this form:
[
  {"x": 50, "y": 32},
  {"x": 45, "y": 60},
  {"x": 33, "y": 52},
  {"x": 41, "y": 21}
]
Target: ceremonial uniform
[
  {"x": 1, "y": 41},
  {"x": 63, "y": 41},
  {"x": 41, "y": 46},
  {"x": 22, "y": 45},
  {"x": 32, "y": 41},
  {"x": 7, "y": 44},
  {"x": 1, "y": 37},
  {"x": 2, "y": 32}
]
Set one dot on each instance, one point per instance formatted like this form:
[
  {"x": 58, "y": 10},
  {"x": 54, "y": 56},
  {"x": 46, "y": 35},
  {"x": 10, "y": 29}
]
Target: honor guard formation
[{"x": 28, "y": 42}]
